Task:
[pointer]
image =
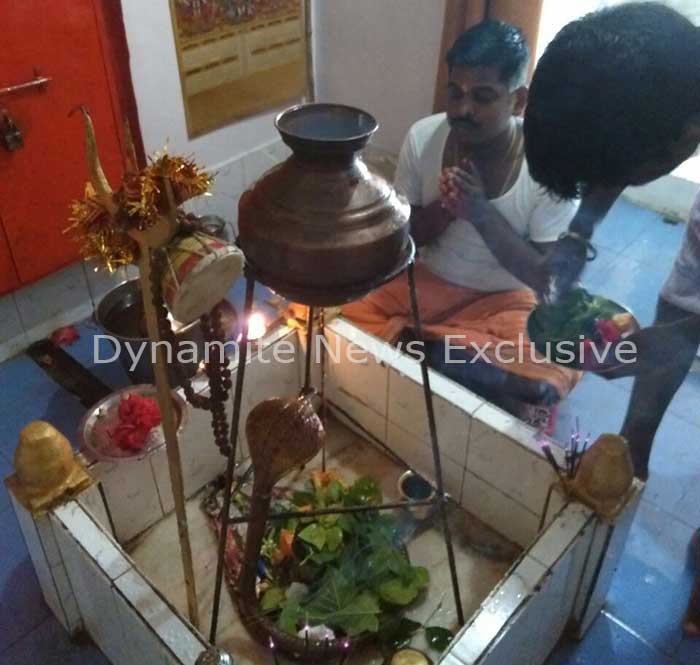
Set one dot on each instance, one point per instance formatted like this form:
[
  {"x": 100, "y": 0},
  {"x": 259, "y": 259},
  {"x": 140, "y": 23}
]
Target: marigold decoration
[{"x": 102, "y": 219}]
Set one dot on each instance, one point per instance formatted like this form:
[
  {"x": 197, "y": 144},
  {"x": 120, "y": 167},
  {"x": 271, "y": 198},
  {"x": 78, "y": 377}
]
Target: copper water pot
[{"x": 322, "y": 228}]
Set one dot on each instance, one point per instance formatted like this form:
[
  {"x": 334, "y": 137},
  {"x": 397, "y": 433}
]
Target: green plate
[{"x": 567, "y": 321}]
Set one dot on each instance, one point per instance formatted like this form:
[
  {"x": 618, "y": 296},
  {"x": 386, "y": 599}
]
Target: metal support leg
[
  {"x": 309, "y": 351},
  {"x": 322, "y": 387},
  {"x": 427, "y": 393},
  {"x": 231, "y": 465}
]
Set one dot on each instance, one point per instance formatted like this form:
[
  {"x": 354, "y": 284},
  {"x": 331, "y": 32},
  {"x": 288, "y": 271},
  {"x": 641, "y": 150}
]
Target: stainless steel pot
[{"x": 120, "y": 314}]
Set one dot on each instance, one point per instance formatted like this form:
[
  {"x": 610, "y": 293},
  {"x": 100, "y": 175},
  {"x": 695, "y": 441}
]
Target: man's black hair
[
  {"x": 493, "y": 44},
  {"x": 610, "y": 92}
]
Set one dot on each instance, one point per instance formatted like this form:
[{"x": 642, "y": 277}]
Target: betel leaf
[
  {"x": 364, "y": 492},
  {"x": 315, "y": 535},
  {"x": 334, "y": 537},
  {"x": 272, "y": 599},
  {"x": 359, "y": 616},
  {"x": 404, "y": 589},
  {"x": 290, "y": 617},
  {"x": 418, "y": 577},
  {"x": 324, "y": 556},
  {"x": 438, "y": 638},
  {"x": 394, "y": 591},
  {"x": 334, "y": 492},
  {"x": 338, "y": 604}
]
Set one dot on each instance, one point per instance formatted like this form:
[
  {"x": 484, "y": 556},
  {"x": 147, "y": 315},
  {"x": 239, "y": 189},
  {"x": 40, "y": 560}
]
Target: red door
[{"x": 61, "y": 39}]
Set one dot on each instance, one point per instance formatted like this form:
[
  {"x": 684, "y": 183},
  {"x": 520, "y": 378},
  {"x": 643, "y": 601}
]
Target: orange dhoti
[{"x": 492, "y": 324}]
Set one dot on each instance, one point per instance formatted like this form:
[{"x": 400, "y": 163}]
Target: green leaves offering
[
  {"x": 403, "y": 590},
  {"x": 438, "y": 638},
  {"x": 314, "y": 534},
  {"x": 357, "y": 575},
  {"x": 340, "y": 604},
  {"x": 365, "y": 492},
  {"x": 272, "y": 599}
]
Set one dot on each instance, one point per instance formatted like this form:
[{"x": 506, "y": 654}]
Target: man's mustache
[{"x": 464, "y": 122}]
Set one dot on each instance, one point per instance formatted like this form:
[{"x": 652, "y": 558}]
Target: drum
[{"x": 199, "y": 272}]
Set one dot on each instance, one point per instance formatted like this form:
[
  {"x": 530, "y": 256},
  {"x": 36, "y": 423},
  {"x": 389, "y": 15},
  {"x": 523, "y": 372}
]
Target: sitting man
[{"x": 464, "y": 172}]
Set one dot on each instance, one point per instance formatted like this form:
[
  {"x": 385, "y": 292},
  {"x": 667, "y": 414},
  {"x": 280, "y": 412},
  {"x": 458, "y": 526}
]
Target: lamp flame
[{"x": 256, "y": 326}]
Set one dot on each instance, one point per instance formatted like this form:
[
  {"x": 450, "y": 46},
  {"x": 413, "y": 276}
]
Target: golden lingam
[{"x": 47, "y": 471}]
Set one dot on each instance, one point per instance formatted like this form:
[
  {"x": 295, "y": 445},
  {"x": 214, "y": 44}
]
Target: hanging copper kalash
[{"x": 321, "y": 229}]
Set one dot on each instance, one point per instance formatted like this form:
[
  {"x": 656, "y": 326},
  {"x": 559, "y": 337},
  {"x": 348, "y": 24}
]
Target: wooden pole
[
  {"x": 151, "y": 238},
  {"x": 169, "y": 422}
]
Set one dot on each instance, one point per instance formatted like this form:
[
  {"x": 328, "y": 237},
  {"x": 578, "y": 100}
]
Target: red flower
[
  {"x": 608, "y": 330},
  {"x": 65, "y": 336},
  {"x": 137, "y": 417}
]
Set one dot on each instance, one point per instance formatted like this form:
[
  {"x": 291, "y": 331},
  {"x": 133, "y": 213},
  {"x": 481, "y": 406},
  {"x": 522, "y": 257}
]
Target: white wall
[{"x": 381, "y": 55}]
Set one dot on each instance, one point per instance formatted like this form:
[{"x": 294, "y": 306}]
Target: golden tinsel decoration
[
  {"x": 101, "y": 238},
  {"x": 144, "y": 194},
  {"x": 102, "y": 219}
]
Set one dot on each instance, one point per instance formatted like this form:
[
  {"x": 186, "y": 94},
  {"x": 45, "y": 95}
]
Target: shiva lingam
[
  {"x": 601, "y": 477},
  {"x": 605, "y": 476},
  {"x": 47, "y": 472},
  {"x": 321, "y": 229}
]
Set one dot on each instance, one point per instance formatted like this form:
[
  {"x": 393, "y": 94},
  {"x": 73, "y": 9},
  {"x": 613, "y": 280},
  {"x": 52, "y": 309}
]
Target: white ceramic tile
[
  {"x": 91, "y": 500},
  {"x": 559, "y": 536},
  {"x": 531, "y": 634},
  {"x": 407, "y": 409},
  {"x": 539, "y": 625},
  {"x": 48, "y": 540},
  {"x": 419, "y": 456},
  {"x": 463, "y": 399},
  {"x": 58, "y": 300},
  {"x": 497, "y": 610},
  {"x": 365, "y": 380},
  {"x": 132, "y": 496},
  {"x": 172, "y": 631},
  {"x": 596, "y": 596},
  {"x": 489, "y": 417},
  {"x": 60, "y": 578},
  {"x": 451, "y": 659},
  {"x": 74, "y": 621},
  {"x": 71, "y": 518},
  {"x": 201, "y": 460},
  {"x": 357, "y": 417},
  {"x": 256, "y": 163},
  {"x": 508, "y": 517},
  {"x": 12, "y": 337},
  {"x": 100, "y": 281},
  {"x": 38, "y": 556},
  {"x": 144, "y": 645},
  {"x": 376, "y": 347},
  {"x": 94, "y": 594},
  {"x": 518, "y": 472}
]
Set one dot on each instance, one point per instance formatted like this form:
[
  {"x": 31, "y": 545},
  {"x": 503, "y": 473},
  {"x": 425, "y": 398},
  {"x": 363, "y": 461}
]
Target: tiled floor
[{"x": 641, "y": 625}]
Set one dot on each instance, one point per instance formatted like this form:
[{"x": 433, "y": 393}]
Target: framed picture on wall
[{"x": 239, "y": 57}]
